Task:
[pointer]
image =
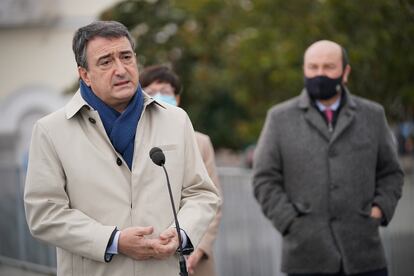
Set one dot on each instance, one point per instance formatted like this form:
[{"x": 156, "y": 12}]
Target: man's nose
[
  {"x": 320, "y": 72},
  {"x": 119, "y": 67}
]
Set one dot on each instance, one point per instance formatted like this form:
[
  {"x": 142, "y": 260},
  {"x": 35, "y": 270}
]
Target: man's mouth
[{"x": 121, "y": 83}]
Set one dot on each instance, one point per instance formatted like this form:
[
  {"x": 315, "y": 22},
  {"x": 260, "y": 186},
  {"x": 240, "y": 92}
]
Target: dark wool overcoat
[{"x": 317, "y": 186}]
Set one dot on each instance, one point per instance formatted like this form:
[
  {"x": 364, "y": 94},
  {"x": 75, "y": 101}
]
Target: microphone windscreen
[{"x": 157, "y": 156}]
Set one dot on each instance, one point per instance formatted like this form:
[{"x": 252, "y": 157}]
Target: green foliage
[{"x": 237, "y": 58}]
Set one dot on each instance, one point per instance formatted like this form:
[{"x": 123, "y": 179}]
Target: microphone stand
[{"x": 183, "y": 266}]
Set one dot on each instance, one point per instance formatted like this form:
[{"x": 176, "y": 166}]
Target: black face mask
[{"x": 322, "y": 87}]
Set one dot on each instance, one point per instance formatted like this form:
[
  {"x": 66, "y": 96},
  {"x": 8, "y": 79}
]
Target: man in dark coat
[{"x": 326, "y": 172}]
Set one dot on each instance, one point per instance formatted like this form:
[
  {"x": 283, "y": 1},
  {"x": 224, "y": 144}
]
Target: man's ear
[
  {"x": 347, "y": 71},
  {"x": 84, "y": 75}
]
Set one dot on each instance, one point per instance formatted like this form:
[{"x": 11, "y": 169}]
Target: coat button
[
  {"x": 92, "y": 120},
  {"x": 332, "y": 153},
  {"x": 119, "y": 161}
]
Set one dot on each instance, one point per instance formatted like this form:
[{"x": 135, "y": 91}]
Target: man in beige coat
[
  {"x": 92, "y": 190},
  {"x": 162, "y": 83}
]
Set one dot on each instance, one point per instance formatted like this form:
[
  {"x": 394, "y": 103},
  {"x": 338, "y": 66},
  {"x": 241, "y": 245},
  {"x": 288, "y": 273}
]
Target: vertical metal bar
[{"x": 21, "y": 221}]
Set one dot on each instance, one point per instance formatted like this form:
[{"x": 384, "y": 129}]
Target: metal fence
[
  {"x": 18, "y": 250},
  {"x": 247, "y": 244}
]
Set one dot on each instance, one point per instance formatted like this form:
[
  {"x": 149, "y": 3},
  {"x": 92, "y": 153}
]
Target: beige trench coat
[
  {"x": 206, "y": 266},
  {"x": 78, "y": 188}
]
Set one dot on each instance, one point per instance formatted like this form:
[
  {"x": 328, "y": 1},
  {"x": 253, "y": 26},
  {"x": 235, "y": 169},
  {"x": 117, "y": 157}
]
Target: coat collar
[
  {"x": 312, "y": 116},
  {"x": 305, "y": 101},
  {"x": 77, "y": 103}
]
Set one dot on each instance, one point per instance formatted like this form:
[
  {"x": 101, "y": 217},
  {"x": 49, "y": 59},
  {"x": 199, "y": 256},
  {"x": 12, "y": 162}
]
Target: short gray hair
[{"x": 107, "y": 29}]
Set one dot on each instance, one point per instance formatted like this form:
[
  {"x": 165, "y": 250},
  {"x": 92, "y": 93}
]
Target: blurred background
[{"x": 236, "y": 58}]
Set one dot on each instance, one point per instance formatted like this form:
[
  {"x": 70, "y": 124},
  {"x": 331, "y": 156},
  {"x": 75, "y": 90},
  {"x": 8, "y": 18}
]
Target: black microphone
[{"x": 158, "y": 157}]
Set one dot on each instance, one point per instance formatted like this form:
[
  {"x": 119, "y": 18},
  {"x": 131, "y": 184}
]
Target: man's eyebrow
[
  {"x": 110, "y": 54},
  {"x": 126, "y": 52},
  {"x": 103, "y": 57}
]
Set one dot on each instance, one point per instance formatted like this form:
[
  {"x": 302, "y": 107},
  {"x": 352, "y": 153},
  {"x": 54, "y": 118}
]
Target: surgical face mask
[
  {"x": 322, "y": 87},
  {"x": 169, "y": 99}
]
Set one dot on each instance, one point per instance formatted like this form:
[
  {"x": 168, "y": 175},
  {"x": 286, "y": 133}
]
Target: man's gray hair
[{"x": 107, "y": 29}]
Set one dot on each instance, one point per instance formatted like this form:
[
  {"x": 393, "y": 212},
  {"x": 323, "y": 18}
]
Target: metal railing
[
  {"x": 247, "y": 243},
  {"x": 13, "y": 267},
  {"x": 19, "y": 244}
]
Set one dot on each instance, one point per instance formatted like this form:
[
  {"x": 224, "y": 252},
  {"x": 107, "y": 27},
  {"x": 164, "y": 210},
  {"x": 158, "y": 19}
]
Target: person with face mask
[
  {"x": 326, "y": 172},
  {"x": 162, "y": 84}
]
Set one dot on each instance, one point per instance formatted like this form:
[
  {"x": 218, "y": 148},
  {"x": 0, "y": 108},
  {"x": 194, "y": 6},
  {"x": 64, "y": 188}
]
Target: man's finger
[
  {"x": 168, "y": 234},
  {"x": 148, "y": 230},
  {"x": 165, "y": 250},
  {"x": 190, "y": 266}
]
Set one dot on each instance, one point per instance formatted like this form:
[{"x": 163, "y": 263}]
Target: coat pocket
[
  {"x": 168, "y": 147},
  {"x": 366, "y": 213},
  {"x": 305, "y": 233},
  {"x": 302, "y": 208}
]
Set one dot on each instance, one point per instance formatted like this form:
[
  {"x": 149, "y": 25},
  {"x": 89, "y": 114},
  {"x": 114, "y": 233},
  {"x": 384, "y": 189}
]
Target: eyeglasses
[{"x": 106, "y": 62}]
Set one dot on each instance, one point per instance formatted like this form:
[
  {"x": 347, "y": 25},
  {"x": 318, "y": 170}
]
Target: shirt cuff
[
  {"x": 183, "y": 238},
  {"x": 113, "y": 247},
  {"x": 186, "y": 244}
]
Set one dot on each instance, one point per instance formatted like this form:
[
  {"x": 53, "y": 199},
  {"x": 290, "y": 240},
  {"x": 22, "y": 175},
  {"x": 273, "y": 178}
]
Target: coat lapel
[
  {"x": 312, "y": 116},
  {"x": 346, "y": 116}
]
